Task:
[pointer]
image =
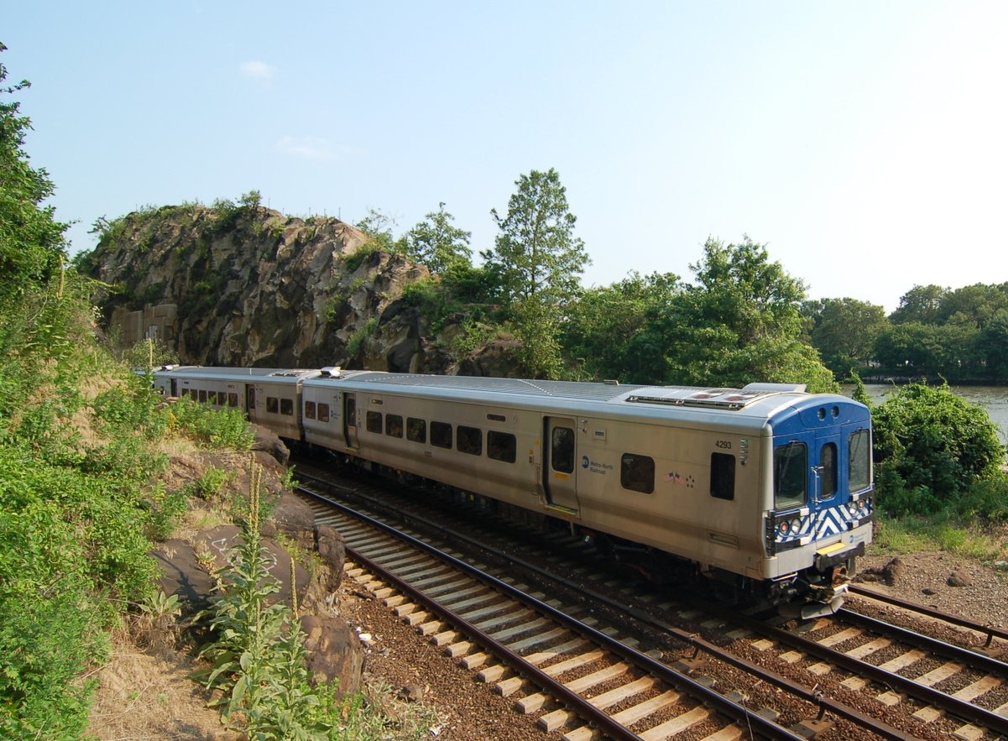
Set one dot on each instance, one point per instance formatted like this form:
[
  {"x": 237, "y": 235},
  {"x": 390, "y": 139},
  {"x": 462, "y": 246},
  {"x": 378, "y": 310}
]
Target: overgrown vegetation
[{"x": 939, "y": 475}]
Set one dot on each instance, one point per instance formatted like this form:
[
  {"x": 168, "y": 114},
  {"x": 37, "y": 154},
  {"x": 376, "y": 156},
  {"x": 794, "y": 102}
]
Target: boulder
[
  {"x": 332, "y": 550},
  {"x": 334, "y": 652},
  {"x": 294, "y": 518},
  {"x": 190, "y": 572},
  {"x": 266, "y": 441}
]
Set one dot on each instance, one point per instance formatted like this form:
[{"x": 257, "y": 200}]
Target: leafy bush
[
  {"x": 986, "y": 499},
  {"x": 224, "y": 427},
  {"x": 931, "y": 447},
  {"x": 358, "y": 258},
  {"x": 72, "y": 553},
  {"x": 358, "y": 340},
  {"x": 131, "y": 406}
]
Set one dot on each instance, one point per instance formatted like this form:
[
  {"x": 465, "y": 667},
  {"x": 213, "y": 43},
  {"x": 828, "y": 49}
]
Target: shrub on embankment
[{"x": 938, "y": 455}]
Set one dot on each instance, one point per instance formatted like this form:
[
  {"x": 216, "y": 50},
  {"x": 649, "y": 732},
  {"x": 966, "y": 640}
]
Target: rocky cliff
[{"x": 246, "y": 285}]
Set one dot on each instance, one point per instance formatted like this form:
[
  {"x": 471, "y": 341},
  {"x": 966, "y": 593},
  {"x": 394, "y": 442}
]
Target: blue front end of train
[{"x": 822, "y": 506}]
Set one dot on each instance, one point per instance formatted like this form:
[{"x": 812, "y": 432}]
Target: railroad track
[
  {"x": 915, "y": 688},
  {"x": 995, "y": 638},
  {"x": 852, "y": 656},
  {"x": 587, "y": 680}
]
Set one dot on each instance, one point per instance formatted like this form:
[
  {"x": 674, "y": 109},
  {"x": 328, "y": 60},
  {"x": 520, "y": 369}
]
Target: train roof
[
  {"x": 229, "y": 374},
  {"x": 756, "y": 401}
]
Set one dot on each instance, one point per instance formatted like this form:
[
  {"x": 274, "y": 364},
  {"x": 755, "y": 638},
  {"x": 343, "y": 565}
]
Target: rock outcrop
[{"x": 246, "y": 285}]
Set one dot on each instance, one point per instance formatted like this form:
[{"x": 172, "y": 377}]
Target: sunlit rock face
[{"x": 254, "y": 287}]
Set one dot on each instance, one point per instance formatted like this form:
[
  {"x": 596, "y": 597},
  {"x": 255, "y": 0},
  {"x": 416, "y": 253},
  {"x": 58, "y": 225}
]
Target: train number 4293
[{"x": 723, "y": 444}]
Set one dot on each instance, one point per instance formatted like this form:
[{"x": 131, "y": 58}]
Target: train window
[
  {"x": 562, "y": 450},
  {"x": 393, "y": 425},
  {"x": 272, "y": 405},
  {"x": 441, "y": 434},
  {"x": 251, "y": 398},
  {"x": 373, "y": 420},
  {"x": 202, "y": 395},
  {"x": 469, "y": 440},
  {"x": 323, "y": 412},
  {"x": 287, "y": 407},
  {"x": 637, "y": 472},
  {"x": 309, "y": 410},
  {"x": 859, "y": 461},
  {"x": 351, "y": 411},
  {"x": 827, "y": 471},
  {"x": 722, "y": 476},
  {"x": 232, "y": 399},
  {"x": 790, "y": 466},
  {"x": 502, "y": 446},
  {"x": 416, "y": 429}
]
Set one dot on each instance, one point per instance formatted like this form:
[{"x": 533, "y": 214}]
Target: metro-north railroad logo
[{"x": 595, "y": 466}]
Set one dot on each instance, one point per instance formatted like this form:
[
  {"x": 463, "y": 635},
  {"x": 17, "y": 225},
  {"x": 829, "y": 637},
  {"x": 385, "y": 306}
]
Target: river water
[{"x": 992, "y": 398}]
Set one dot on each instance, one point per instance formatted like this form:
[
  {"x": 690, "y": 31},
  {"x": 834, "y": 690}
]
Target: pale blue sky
[{"x": 863, "y": 142}]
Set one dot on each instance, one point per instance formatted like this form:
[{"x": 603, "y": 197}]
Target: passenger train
[{"x": 766, "y": 490}]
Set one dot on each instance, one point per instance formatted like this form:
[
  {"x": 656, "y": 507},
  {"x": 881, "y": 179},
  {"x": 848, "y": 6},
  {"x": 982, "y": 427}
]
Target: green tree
[
  {"x": 438, "y": 244},
  {"x": 928, "y": 350},
  {"x": 920, "y": 304},
  {"x": 537, "y": 264},
  {"x": 536, "y": 254},
  {"x": 742, "y": 322},
  {"x": 378, "y": 226},
  {"x": 535, "y": 328},
  {"x": 931, "y": 446},
  {"x": 844, "y": 331},
  {"x": 977, "y": 303},
  {"x": 992, "y": 346},
  {"x": 32, "y": 246},
  {"x": 624, "y": 331}
]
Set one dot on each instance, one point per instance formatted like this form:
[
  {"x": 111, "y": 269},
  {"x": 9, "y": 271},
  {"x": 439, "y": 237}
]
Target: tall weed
[
  {"x": 258, "y": 662},
  {"x": 219, "y": 428}
]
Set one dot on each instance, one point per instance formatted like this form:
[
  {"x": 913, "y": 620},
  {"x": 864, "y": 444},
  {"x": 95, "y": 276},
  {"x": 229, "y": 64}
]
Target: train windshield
[
  {"x": 859, "y": 461},
  {"x": 790, "y": 477}
]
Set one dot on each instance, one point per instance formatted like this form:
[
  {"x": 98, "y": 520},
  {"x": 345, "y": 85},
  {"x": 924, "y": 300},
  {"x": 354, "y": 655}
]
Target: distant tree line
[{"x": 958, "y": 335}]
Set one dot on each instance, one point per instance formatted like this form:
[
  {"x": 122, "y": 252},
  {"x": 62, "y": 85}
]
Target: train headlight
[
  {"x": 795, "y": 525},
  {"x": 784, "y": 528}
]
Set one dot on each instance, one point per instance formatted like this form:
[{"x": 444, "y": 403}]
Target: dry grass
[{"x": 148, "y": 695}]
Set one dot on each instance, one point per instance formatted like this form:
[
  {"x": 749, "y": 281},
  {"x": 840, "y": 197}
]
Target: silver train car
[{"x": 765, "y": 490}]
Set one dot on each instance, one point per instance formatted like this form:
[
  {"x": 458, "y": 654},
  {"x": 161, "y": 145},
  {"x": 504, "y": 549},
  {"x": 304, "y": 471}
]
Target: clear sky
[{"x": 863, "y": 142}]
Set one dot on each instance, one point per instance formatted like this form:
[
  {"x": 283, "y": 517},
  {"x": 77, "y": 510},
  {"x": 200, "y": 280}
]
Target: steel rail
[
  {"x": 757, "y": 724},
  {"x": 933, "y": 645},
  {"x": 990, "y": 631},
  {"x": 953, "y": 705}
]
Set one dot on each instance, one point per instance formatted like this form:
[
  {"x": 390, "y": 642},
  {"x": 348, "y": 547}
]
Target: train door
[
  {"x": 250, "y": 401},
  {"x": 350, "y": 420},
  {"x": 825, "y": 485},
  {"x": 174, "y": 387},
  {"x": 560, "y": 455}
]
